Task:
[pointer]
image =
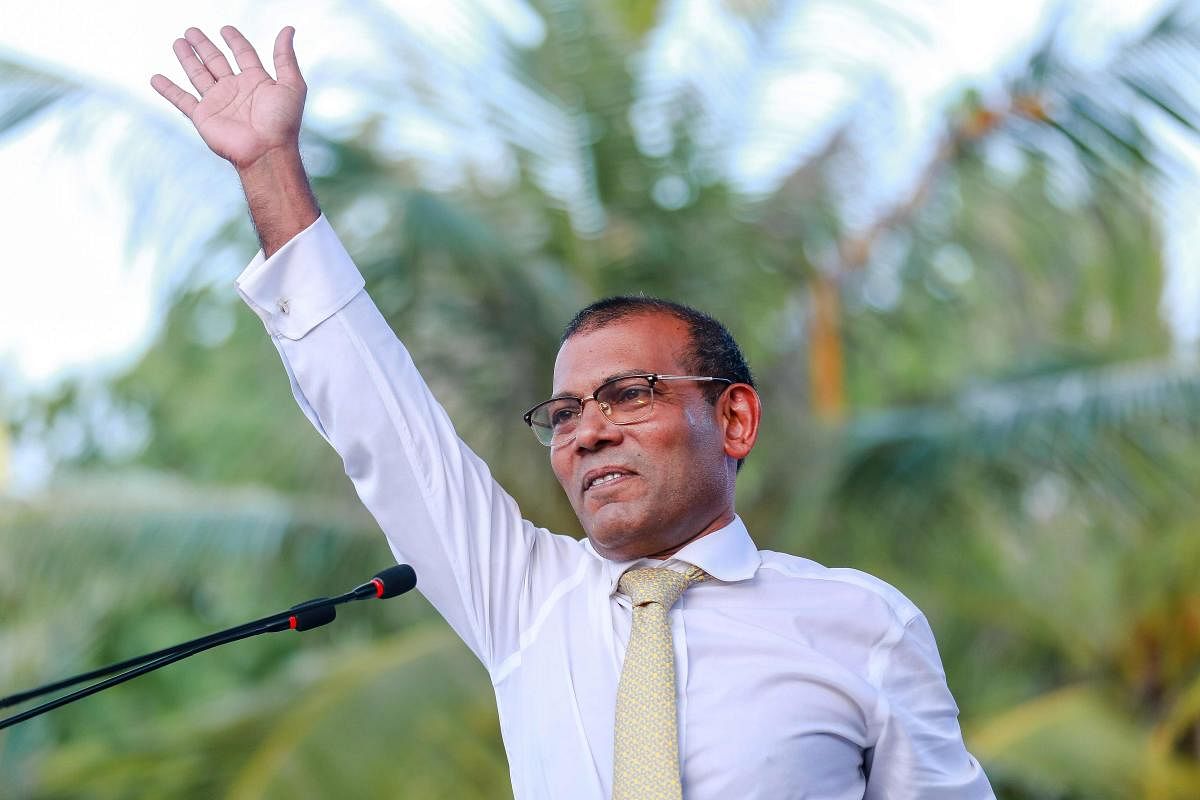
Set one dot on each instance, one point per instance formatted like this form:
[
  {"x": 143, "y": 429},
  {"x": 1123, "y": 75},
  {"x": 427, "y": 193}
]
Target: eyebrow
[{"x": 614, "y": 376}]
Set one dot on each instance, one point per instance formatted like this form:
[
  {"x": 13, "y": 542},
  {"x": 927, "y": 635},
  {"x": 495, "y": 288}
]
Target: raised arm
[
  {"x": 253, "y": 121},
  {"x": 478, "y": 562}
]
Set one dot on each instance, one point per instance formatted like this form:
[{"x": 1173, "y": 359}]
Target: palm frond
[
  {"x": 198, "y": 557},
  {"x": 1113, "y": 116},
  {"x": 1048, "y": 421},
  {"x": 1071, "y": 741},
  {"x": 27, "y": 93},
  {"x": 435, "y": 736}
]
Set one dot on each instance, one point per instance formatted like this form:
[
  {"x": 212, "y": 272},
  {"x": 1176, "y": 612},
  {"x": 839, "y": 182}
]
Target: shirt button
[{"x": 282, "y": 305}]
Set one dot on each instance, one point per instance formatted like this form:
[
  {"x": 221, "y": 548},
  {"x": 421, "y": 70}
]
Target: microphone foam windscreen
[
  {"x": 310, "y": 618},
  {"x": 396, "y": 580}
]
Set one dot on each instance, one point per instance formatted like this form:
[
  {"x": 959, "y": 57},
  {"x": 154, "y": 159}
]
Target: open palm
[{"x": 240, "y": 116}]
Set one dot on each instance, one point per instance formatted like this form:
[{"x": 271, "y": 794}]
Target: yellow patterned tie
[{"x": 646, "y": 746}]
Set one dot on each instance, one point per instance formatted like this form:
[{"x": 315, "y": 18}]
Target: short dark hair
[{"x": 712, "y": 350}]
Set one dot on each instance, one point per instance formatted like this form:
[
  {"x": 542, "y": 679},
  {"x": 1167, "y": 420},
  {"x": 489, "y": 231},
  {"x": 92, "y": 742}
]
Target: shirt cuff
[{"x": 302, "y": 285}]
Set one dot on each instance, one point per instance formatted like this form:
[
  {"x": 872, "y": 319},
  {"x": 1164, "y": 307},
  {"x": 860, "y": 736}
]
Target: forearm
[{"x": 280, "y": 197}]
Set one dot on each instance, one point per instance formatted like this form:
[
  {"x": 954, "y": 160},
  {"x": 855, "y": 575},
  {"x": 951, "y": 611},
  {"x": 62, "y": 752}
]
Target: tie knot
[{"x": 658, "y": 585}]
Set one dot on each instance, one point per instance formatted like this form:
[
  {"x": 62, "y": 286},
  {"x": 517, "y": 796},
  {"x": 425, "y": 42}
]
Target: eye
[
  {"x": 561, "y": 415},
  {"x": 631, "y": 395}
]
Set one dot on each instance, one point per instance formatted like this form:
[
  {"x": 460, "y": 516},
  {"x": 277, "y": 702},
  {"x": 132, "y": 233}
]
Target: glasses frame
[{"x": 652, "y": 377}]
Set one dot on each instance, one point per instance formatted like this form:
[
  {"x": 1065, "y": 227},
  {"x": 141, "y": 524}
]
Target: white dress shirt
[{"x": 794, "y": 680}]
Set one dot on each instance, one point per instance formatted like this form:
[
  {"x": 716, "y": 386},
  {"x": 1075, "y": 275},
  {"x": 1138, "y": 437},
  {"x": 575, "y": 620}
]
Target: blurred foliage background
[{"x": 969, "y": 385}]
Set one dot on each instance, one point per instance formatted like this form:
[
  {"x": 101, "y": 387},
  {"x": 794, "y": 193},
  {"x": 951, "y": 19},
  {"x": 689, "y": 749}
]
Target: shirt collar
[{"x": 727, "y": 554}]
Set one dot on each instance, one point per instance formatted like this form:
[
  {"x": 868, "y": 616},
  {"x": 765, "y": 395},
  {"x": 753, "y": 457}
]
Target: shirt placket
[{"x": 679, "y": 644}]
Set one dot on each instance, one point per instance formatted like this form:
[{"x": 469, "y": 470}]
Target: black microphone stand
[
  {"x": 301, "y": 619},
  {"x": 309, "y": 614},
  {"x": 198, "y": 644}
]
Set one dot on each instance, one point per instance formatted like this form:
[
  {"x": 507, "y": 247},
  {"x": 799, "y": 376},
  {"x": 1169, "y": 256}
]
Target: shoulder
[{"x": 841, "y": 586}]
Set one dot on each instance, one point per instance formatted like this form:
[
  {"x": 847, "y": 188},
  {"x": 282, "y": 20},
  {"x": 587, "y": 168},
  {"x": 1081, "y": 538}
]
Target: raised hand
[
  {"x": 241, "y": 116},
  {"x": 252, "y": 120}
]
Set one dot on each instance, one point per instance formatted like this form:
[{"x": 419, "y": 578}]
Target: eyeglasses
[{"x": 623, "y": 400}]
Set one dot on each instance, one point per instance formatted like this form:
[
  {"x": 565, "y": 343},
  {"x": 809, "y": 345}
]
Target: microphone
[
  {"x": 393, "y": 581},
  {"x": 388, "y": 583},
  {"x": 305, "y": 619}
]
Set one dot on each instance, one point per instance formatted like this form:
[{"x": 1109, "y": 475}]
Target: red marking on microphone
[
  {"x": 378, "y": 587},
  {"x": 292, "y": 623}
]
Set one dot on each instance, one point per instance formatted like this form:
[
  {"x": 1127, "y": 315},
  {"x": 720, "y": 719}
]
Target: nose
[{"x": 594, "y": 428}]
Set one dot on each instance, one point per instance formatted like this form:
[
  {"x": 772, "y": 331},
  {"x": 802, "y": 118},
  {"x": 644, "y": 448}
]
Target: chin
[
  {"x": 615, "y": 541},
  {"x": 616, "y": 552}
]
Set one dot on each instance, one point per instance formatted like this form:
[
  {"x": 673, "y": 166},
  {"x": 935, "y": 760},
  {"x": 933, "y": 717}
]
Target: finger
[
  {"x": 176, "y": 96},
  {"x": 243, "y": 51},
  {"x": 197, "y": 73},
  {"x": 213, "y": 58},
  {"x": 287, "y": 70}
]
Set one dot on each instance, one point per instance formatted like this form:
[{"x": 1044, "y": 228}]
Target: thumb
[{"x": 287, "y": 70}]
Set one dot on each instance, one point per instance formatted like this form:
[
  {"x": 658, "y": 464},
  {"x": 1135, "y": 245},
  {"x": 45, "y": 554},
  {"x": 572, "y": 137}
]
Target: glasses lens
[
  {"x": 555, "y": 420},
  {"x": 626, "y": 399}
]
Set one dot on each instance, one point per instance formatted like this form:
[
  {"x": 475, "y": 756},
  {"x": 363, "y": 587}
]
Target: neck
[{"x": 716, "y": 524}]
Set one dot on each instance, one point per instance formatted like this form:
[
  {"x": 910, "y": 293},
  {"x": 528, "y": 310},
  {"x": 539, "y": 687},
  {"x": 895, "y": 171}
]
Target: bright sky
[
  {"x": 77, "y": 300},
  {"x": 74, "y": 298}
]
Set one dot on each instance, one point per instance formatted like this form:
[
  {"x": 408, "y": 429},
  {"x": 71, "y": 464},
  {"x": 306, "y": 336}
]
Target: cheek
[
  {"x": 559, "y": 464},
  {"x": 704, "y": 452},
  {"x": 702, "y": 431}
]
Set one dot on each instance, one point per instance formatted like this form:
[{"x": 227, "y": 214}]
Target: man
[{"x": 665, "y": 655}]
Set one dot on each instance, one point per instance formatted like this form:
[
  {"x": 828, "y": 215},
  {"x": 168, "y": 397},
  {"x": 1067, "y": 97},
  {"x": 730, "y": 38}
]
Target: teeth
[{"x": 606, "y": 478}]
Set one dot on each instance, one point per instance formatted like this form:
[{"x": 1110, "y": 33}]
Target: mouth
[{"x": 604, "y": 476}]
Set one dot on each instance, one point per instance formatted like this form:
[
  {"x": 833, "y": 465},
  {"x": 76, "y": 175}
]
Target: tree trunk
[{"x": 825, "y": 364}]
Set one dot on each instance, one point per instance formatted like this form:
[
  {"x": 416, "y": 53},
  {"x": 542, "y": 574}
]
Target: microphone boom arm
[{"x": 309, "y": 614}]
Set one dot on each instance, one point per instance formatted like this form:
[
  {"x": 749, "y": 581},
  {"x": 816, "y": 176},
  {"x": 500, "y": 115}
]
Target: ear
[{"x": 738, "y": 412}]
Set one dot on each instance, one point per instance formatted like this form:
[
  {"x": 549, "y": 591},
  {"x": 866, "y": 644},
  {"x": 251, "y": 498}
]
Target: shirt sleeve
[
  {"x": 919, "y": 753},
  {"x": 435, "y": 500}
]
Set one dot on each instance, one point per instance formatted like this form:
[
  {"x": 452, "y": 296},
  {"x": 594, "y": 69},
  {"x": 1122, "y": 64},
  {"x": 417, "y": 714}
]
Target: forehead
[{"x": 650, "y": 342}]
